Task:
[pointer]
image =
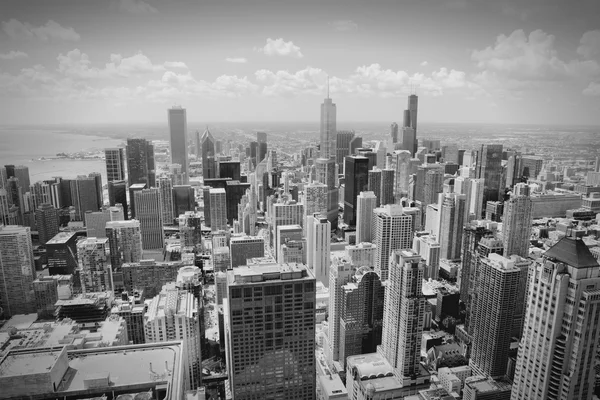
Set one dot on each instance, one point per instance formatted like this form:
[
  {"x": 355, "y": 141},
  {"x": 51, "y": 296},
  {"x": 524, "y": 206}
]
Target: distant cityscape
[{"x": 260, "y": 265}]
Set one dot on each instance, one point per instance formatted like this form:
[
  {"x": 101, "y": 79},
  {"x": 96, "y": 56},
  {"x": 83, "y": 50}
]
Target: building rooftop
[
  {"x": 267, "y": 272},
  {"x": 573, "y": 252},
  {"x": 61, "y": 238},
  {"x": 29, "y": 363},
  {"x": 20, "y": 321},
  {"x": 370, "y": 366}
]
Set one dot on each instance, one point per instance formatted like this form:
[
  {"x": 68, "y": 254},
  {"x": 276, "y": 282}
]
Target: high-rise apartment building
[
  {"x": 115, "y": 164},
  {"x": 392, "y": 230},
  {"x": 218, "y": 209},
  {"x": 401, "y": 167},
  {"x": 451, "y": 225},
  {"x": 165, "y": 190},
  {"x": 94, "y": 265},
  {"x": 433, "y": 185},
  {"x": 516, "y": 226},
  {"x": 315, "y": 198},
  {"x": 95, "y": 222},
  {"x": 207, "y": 153},
  {"x": 147, "y": 211},
  {"x": 17, "y": 271},
  {"x": 318, "y": 246},
  {"x": 125, "y": 242},
  {"x": 489, "y": 168},
  {"x": 61, "y": 251},
  {"x": 140, "y": 162},
  {"x": 184, "y": 199},
  {"x": 270, "y": 352},
  {"x": 387, "y": 187},
  {"x": 497, "y": 287},
  {"x": 557, "y": 352},
  {"x": 356, "y": 174},
  {"x": 173, "y": 315},
  {"x": 84, "y": 194},
  {"x": 245, "y": 247},
  {"x": 46, "y": 218},
  {"x": 365, "y": 204},
  {"x": 178, "y": 138}
]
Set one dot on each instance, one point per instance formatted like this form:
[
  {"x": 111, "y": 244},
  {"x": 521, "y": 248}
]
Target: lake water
[{"x": 23, "y": 146}]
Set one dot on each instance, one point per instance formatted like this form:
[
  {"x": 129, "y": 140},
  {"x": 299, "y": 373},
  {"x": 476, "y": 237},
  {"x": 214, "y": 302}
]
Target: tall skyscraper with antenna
[
  {"x": 325, "y": 165},
  {"x": 410, "y": 118}
]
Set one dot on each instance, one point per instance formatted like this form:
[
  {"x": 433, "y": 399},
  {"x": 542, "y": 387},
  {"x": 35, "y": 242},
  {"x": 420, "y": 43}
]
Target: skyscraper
[
  {"x": 84, "y": 193},
  {"x": 451, "y": 225},
  {"x": 95, "y": 222},
  {"x": 343, "y": 139},
  {"x": 46, "y": 217},
  {"x": 256, "y": 349},
  {"x": 366, "y": 202},
  {"x": 17, "y": 271},
  {"x": 125, "y": 242},
  {"x": 408, "y": 140},
  {"x": 392, "y": 230},
  {"x": 147, "y": 211},
  {"x": 394, "y": 132},
  {"x": 328, "y": 128},
  {"x": 173, "y": 315},
  {"x": 165, "y": 190},
  {"x": 94, "y": 265},
  {"x": 117, "y": 194},
  {"x": 489, "y": 167},
  {"x": 516, "y": 226},
  {"x": 497, "y": 287},
  {"x": 374, "y": 179},
  {"x": 261, "y": 138},
  {"x": 401, "y": 167},
  {"x": 315, "y": 198},
  {"x": 356, "y": 173},
  {"x": 115, "y": 164},
  {"x": 340, "y": 272},
  {"x": 387, "y": 187},
  {"x": 207, "y": 144},
  {"x": 178, "y": 138},
  {"x": 184, "y": 199},
  {"x": 557, "y": 353},
  {"x": 140, "y": 162},
  {"x": 318, "y": 245},
  {"x": 433, "y": 185},
  {"x": 410, "y": 120},
  {"x": 325, "y": 169},
  {"x": 403, "y": 313},
  {"x": 245, "y": 247},
  {"x": 218, "y": 209}
]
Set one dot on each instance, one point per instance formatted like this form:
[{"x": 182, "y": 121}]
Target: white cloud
[
  {"x": 345, "y": 25},
  {"x": 13, "y": 55},
  {"x": 283, "y": 83},
  {"x": 137, "y": 7},
  {"x": 76, "y": 64},
  {"x": 176, "y": 64},
  {"x": 237, "y": 60},
  {"x": 51, "y": 30},
  {"x": 589, "y": 46},
  {"x": 593, "y": 89},
  {"x": 424, "y": 64},
  {"x": 281, "y": 48}
]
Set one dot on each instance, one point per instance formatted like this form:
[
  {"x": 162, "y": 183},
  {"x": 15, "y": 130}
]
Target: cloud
[
  {"x": 76, "y": 64},
  {"x": 283, "y": 83},
  {"x": 175, "y": 64},
  {"x": 237, "y": 60},
  {"x": 521, "y": 62},
  {"x": 137, "y": 7},
  {"x": 51, "y": 30},
  {"x": 344, "y": 25},
  {"x": 281, "y": 48},
  {"x": 13, "y": 55},
  {"x": 593, "y": 89},
  {"x": 366, "y": 80},
  {"x": 589, "y": 46},
  {"x": 424, "y": 64}
]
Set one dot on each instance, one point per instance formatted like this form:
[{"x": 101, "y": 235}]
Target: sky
[{"x": 469, "y": 61}]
